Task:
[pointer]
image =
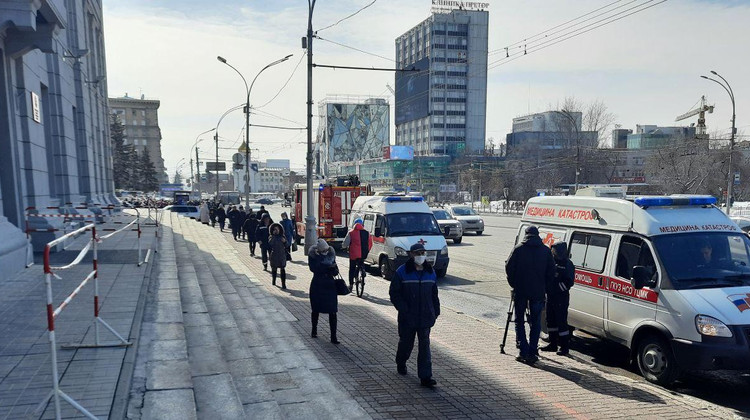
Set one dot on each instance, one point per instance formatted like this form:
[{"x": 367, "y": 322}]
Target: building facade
[
  {"x": 351, "y": 128},
  {"x": 54, "y": 124},
  {"x": 441, "y": 107},
  {"x": 140, "y": 118},
  {"x": 551, "y": 130},
  {"x": 653, "y": 136}
]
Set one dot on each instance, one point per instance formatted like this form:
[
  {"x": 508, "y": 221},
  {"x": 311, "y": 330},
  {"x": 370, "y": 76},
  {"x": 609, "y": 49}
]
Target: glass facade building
[{"x": 441, "y": 105}]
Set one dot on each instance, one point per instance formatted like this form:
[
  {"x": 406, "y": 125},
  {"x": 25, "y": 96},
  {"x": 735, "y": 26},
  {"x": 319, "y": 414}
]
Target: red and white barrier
[{"x": 52, "y": 313}]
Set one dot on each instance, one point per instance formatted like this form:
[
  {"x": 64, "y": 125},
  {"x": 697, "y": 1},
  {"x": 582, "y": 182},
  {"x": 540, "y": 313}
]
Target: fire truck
[{"x": 332, "y": 202}]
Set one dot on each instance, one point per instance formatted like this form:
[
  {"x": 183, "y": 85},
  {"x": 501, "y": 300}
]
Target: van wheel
[
  {"x": 457, "y": 240},
  {"x": 656, "y": 360},
  {"x": 479, "y": 232},
  {"x": 441, "y": 273},
  {"x": 385, "y": 268}
]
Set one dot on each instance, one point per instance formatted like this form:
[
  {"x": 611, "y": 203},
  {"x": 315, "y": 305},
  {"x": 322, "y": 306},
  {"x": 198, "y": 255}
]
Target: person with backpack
[
  {"x": 359, "y": 242},
  {"x": 558, "y": 298}
]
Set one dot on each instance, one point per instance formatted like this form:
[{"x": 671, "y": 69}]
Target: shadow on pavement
[
  {"x": 452, "y": 280},
  {"x": 595, "y": 382}
]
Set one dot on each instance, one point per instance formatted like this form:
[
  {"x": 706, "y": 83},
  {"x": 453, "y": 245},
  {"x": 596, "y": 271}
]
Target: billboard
[
  {"x": 401, "y": 153},
  {"x": 355, "y": 131},
  {"x": 413, "y": 92}
]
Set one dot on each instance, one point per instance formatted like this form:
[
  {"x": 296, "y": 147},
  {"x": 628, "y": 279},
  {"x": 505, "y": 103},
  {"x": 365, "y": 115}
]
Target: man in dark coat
[
  {"x": 250, "y": 225},
  {"x": 221, "y": 216},
  {"x": 414, "y": 293},
  {"x": 323, "y": 296},
  {"x": 233, "y": 215},
  {"x": 241, "y": 222},
  {"x": 277, "y": 249},
  {"x": 558, "y": 298},
  {"x": 261, "y": 234},
  {"x": 529, "y": 268}
]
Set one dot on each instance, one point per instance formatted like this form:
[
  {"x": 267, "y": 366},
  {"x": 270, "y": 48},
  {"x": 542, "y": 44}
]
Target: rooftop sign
[{"x": 443, "y": 5}]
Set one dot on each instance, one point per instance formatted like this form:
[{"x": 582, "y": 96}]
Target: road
[{"x": 476, "y": 286}]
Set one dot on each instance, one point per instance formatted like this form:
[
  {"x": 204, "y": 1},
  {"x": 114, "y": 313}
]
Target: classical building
[
  {"x": 54, "y": 123},
  {"x": 441, "y": 107},
  {"x": 140, "y": 117}
]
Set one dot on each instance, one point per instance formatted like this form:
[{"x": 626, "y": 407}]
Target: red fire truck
[{"x": 332, "y": 204}]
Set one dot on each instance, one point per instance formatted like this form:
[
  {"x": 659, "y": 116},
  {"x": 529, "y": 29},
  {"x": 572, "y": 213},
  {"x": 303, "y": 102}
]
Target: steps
[{"x": 240, "y": 357}]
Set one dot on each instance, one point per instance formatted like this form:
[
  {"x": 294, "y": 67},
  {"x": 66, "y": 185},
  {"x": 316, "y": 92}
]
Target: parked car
[
  {"x": 743, "y": 222},
  {"x": 470, "y": 220},
  {"x": 264, "y": 201},
  {"x": 450, "y": 227},
  {"x": 188, "y": 211}
]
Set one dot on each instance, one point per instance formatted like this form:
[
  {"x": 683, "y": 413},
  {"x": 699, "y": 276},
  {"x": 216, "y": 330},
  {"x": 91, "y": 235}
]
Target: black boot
[
  {"x": 314, "y": 319},
  {"x": 283, "y": 279},
  {"x": 273, "y": 276},
  {"x": 552, "y": 346},
  {"x": 334, "y": 321},
  {"x": 564, "y": 345}
]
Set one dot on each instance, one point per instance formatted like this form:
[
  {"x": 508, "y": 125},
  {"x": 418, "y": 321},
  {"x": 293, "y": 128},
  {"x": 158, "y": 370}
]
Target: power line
[
  {"x": 347, "y": 17},
  {"x": 565, "y": 37},
  {"x": 356, "y": 49},
  {"x": 285, "y": 83}
]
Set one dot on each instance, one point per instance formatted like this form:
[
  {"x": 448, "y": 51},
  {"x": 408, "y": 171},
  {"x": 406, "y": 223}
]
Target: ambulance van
[
  {"x": 666, "y": 276},
  {"x": 396, "y": 222}
]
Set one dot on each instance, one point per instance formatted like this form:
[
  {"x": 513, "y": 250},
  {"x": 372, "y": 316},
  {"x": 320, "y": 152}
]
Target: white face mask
[{"x": 420, "y": 259}]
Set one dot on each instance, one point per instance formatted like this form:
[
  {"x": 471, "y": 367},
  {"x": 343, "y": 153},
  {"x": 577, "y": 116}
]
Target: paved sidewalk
[
  {"x": 475, "y": 380},
  {"x": 216, "y": 345},
  {"x": 90, "y": 376}
]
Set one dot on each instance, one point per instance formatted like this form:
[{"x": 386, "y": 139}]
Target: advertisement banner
[
  {"x": 402, "y": 153},
  {"x": 413, "y": 92}
]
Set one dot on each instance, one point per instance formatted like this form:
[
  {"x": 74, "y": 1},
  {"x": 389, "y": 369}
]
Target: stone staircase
[{"x": 220, "y": 346}]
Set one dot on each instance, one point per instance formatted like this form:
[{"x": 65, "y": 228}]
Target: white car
[
  {"x": 470, "y": 220},
  {"x": 192, "y": 212}
]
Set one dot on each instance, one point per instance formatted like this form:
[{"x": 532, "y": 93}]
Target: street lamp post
[
  {"x": 197, "y": 168},
  {"x": 178, "y": 166},
  {"x": 247, "y": 117},
  {"x": 310, "y": 232},
  {"x": 730, "y": 175},
  {"x": 216, "y": 139}
]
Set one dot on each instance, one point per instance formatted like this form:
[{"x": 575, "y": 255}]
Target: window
[
  {"x": 589, "y": 251},
  {"x": 380, "y": 224},
  {"x": 369, "y": 223},
  {"x": 633, "y": 251}
]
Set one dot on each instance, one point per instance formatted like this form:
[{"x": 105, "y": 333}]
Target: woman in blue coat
[{"x": 323, "y": 296}]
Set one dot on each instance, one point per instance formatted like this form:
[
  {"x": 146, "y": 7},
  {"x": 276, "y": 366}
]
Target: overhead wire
[
  {"x": 347, "y": 17},
  {"x": 285, "y": 83}
]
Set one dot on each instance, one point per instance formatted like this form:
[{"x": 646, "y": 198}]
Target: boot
[
  {"x": 283, "y": 279},
  {"x": 334, "y": 321},
  {"x": 564, "y": 345},
  {"x": 552, "y": 346},
  {"x": 314, "y": 319}
]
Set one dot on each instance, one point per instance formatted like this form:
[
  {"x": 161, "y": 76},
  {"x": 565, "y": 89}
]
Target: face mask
[{"x": 420, "y": 259}]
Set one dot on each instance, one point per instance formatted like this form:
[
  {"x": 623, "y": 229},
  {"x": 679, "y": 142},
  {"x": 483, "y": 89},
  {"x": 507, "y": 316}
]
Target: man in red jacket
[{"x": 359, "y": 242}]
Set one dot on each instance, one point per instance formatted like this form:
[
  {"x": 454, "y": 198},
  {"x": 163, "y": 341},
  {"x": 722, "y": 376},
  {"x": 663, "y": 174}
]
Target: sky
[{"x": 646, "y": 67}]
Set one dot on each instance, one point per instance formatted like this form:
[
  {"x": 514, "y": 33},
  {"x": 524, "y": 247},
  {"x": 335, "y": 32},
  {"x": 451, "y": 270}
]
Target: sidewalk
[
  {"x": 216, "y": 345},
  {"x": 474, "y": 379},
  {"x": 90, "y": 376}
]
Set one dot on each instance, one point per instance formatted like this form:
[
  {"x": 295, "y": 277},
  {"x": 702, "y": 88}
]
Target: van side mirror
[
  {"x": 378, "y": 232},
  {"x": 641, "y": 277}
]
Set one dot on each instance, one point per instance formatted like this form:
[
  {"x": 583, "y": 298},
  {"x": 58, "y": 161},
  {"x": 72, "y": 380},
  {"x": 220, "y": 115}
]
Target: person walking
[
  {"x": 359, "y": 242},
  {"x": 323, "y": 297},
  {"x": 414, "y": 293},
  {"x": 529, "y": 269},
  {"x": 261, "y": 234},
  {"x": 221, "y": 217},
  {"x": 288, "y": 226},
  {"x": 558, "y": 298},
  {"x": 261, "y": 212},
  {"x": 234, "y": 221},
  {"x": 251, "y": 224},
  {"x": 277, "y": 249},
  {"x": 241, "y": 223},
  {"x": 204, "y": 213}
]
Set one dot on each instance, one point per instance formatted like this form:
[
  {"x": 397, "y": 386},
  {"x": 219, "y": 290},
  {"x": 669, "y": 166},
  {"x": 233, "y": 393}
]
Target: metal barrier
[{"x": 52, "y": 312}]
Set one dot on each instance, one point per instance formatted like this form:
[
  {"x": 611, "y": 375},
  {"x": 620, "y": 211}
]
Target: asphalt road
[{"x": 476, "y": 286}]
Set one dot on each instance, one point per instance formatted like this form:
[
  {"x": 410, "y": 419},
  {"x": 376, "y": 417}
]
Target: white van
[
  {"x": 396, "y": 222},
  {"x": 666, "y": 276}
]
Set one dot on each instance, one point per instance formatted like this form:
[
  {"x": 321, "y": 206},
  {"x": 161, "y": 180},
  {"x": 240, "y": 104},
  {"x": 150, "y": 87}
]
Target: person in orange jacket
[{"x": 359, "y": 242}]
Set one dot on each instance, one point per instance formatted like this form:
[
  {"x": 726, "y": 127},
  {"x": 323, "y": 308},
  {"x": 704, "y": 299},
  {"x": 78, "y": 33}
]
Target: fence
[{"x": 49, "y": 272}]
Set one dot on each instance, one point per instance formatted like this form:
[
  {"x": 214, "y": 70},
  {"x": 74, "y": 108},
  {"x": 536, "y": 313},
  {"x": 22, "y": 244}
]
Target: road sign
[
  {"x": 447, "y": 188},
  {"x": 736, "y": 178},
  {"x": 238, "y": 158},
  {"x": 216, "y": 166},
  {"x": 485, "y": 200}
]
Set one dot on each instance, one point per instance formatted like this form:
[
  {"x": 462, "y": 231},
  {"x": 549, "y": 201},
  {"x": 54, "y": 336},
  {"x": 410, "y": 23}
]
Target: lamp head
[
  {"x": 713, "y": 72},
  {"x": 704, "y": 77},
  {"x": 222, "y": 59},
  {"x": 288, "y": 56}
]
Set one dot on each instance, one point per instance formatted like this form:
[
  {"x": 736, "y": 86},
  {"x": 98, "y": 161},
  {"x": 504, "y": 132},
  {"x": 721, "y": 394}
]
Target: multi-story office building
[
  {"x": 653, "y": 136},
  {"x": 54, "y": 124},
  {"x": 551, "y": 130},
  {"x": 441, "y": 107},
  {"x": 140, "y": 118}
]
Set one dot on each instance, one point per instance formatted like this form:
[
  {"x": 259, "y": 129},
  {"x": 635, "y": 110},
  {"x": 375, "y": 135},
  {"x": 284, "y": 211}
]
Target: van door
[
  {"x": 588, "y": 252},
  {"x": 626, "y": 306},
  {"x": 371, "y": 223}
]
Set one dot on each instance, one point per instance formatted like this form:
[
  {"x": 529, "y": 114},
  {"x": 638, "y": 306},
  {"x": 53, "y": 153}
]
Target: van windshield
[
  {"x": 407, "y": 224},
  {"x": 705, "y": 260}
]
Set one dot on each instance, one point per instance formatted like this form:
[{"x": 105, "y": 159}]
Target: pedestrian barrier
[{"x": 49, "y": 272}]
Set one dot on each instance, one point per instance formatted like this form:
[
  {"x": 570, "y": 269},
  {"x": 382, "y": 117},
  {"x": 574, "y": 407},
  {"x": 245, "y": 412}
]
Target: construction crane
[{"x": 701, "y": 113}]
